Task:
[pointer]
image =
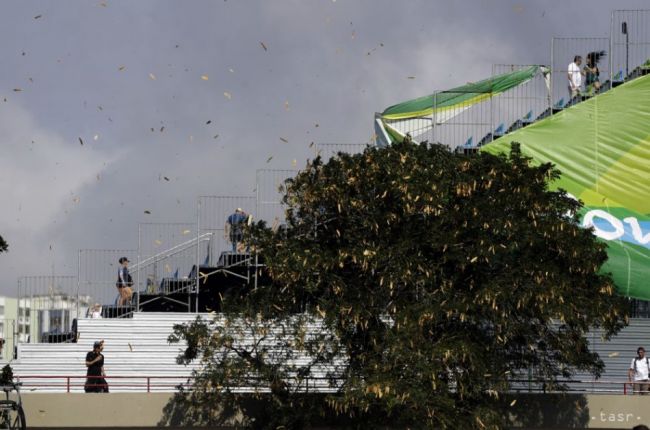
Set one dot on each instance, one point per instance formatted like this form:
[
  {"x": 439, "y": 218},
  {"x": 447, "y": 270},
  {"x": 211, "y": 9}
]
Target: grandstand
[{"x": 182, "y": 270}]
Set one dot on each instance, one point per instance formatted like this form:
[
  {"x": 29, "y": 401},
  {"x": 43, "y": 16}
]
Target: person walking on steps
[
  {"x": 95, "y": 376},
  {"x": 639, "y": 371},
  {"x": 124, "y": 283},
  {"x": 575, "y": 78}
]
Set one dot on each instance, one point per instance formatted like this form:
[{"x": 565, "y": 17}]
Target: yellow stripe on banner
[{"x": 430, "y": 111}]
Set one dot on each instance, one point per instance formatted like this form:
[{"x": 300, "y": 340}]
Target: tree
[
  {"x": 3, "y": 245},
  {"x": 438, "y": 278}
]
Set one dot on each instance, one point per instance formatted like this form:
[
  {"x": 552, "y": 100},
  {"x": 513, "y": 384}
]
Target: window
[{"x": 2, "y": 310}]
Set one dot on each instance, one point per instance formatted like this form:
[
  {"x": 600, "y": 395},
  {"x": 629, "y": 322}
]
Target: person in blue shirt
[{"x": 234, "y": 228}]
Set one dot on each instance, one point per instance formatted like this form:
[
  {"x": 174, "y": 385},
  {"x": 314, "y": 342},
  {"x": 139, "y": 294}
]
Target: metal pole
[
  {"x": 78, "y": 282},
  {"x": 611, "y": 50},
  {"x": 18, "y": 310},
  {"x": 198, "y": 255},
  {"x": 552, "y": 77},
  {"x": 137, "y": 273}
]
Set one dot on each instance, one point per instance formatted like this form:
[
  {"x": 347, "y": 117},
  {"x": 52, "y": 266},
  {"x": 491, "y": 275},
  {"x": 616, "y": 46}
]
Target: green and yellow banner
[{"x": 602, "y": 148}]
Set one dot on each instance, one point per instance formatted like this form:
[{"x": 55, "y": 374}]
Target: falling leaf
[
  {"x": 316, "y": 125},
  {"x": 294, "y": 162},
  {"x": 513, "y": 402},
  {"x": 186, "y": 232},
  {"x": 121, "y": 68},
  {"x": 209, "y": 122},
  {"x": 268, "y": 160},
  {"x": 215, "y": 136},
  {"x": 227, "y": 95},
  {"x": 157, "y": 242},
  {"x": 162, "y": 128},
  {"x": 204, "y": 77},
  {"x": 81, "y": 141},
  {"x": 613, "y": 354},
  {"x": 410, "y": 77},
  {"x": 76, "y": 200},
  {"x": 286, "y": 105},
  {"x": 165, "y": 178},
  {"x": 231, "y": 70},
  {"x": 130, "y": 347},
  {"x": 147, "y": 212},
  {"x": 96, "y": 137},
  {"x": 168, "y": 269},
  {"x": 98, "y": 177},
  {"x": 38, "y": 16},
  {"x": 152, "y": 76},
  {"x": 17, "y": 90},
  {"x": 311, "y": 144},
  {"x": 284, "y": 140},
  {"x": 264, "y": 46}
]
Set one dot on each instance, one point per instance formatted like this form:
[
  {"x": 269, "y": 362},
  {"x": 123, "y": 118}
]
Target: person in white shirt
[
  {"x": 575, "y": 77},
  {"x": 640, "y": 370}
]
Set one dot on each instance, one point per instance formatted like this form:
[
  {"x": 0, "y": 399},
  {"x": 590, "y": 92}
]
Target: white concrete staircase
[{"x": 134, "y": 348}]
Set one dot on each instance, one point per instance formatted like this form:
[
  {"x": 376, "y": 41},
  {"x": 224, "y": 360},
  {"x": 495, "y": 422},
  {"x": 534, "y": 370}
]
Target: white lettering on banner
[
  {"x": 636, "y": 231},
  {"x": 616, "y": 223}
]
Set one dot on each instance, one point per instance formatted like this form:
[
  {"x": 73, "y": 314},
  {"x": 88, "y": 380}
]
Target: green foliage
[
  {"x": 3, "y": 245},
  {"x": 426, "y": 282}
]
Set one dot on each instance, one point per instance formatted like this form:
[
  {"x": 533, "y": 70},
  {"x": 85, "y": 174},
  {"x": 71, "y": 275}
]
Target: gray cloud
[{"x": 60, "y": 193}]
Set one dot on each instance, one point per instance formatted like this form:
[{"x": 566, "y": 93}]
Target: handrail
[{"x": 167, "y": 253}]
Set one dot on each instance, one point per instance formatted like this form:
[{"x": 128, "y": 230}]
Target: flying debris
[
  {"x": 204, "y": 77},
  {"x": 209, "y": 122},
  {"x": 215, "y": 136},
  {"x": 81, "y": 141},
  {"x": 284, "y": 140},
  {"x": 264, "y": 46},
  {"x": 96, "y": 137},
  {"x": 268, "y": 160},
  {"x": 227, "y": 95},
  {"x": 17, "y": 90},
  {"x": 147, "y": 212},
  {"x": 121, "y": 68},
  {"x": 38, "y": 16},
  {"x": 166, "y": 178},
  {"x": 152, "y": 76},
  {"x": 286, "y": 105},
  {"x": 410, "y": 77},
  {"x": 162, "y": 128}
]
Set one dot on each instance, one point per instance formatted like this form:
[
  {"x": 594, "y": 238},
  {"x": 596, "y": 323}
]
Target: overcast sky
[{"x": 107, "y": 72}]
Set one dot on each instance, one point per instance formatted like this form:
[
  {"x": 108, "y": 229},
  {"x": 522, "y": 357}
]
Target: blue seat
[
  {"x": 559, "y": 105},
  {"x": 617, "y": 78},
  {"x": 500, "y": 130},
  {"x": 486, "y": 139},
  {"x": 528, "y": 118},
  {"x": 468, "y": 144}
]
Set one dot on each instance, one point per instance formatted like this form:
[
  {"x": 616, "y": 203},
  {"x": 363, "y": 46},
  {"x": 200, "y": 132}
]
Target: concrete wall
[
  {"x": 94, "y": 410},
  {"x": 65, "y": 410}
]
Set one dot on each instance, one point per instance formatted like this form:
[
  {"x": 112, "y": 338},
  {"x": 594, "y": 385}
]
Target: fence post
[
  {"x": 148, "y": 384},
  {"x": 67, "y": 383}
]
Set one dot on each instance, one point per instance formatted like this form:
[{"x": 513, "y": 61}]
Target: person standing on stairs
[
  {"x": 575, "y": 77},
  {"x": 234, "y": 228},
  {"x": 640, "y": 371},
  {"x": 124, "y": 282},
  {"x": 95, "y": 376}
]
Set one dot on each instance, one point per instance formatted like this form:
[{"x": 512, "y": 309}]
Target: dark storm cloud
[{"x": 109, "y": 72}]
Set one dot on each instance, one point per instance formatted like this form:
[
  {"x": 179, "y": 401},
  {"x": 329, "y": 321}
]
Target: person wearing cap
[
  {"x": 640, "y": 371},
  {"x": 124, "y": 282},
  {"x": 95, "y": 376},
  {"x": 234, "y": 228}
]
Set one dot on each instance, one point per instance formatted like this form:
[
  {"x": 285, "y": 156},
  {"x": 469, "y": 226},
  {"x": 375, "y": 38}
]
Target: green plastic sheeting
[
  {"x": 602, "y": 148},
  {"x": 466, "y": 94}
]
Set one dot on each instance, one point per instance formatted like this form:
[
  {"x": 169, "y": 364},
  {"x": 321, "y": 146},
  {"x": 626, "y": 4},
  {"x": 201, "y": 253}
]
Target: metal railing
[{"x": 160, "y": 383}]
